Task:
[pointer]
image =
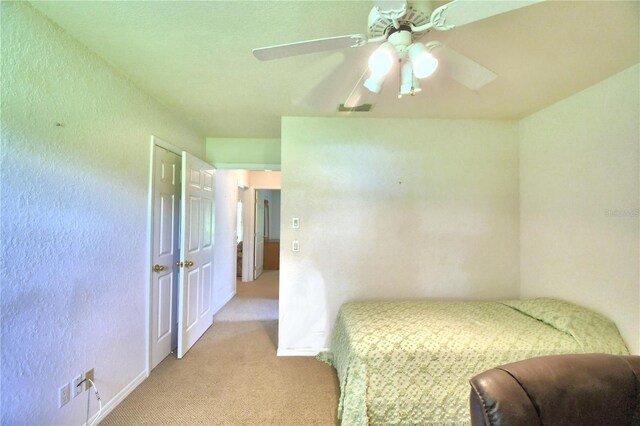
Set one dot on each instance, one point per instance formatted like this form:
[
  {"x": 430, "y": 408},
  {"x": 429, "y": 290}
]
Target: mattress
[{"x": 408, "y": 362}]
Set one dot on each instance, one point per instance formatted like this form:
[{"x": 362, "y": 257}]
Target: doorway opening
[
  {"x": 257, "y": 223},
  {"x": 257, "y": 234},
  {"x": 270, "y": 199},
  {"x": 204, "y": 291}
]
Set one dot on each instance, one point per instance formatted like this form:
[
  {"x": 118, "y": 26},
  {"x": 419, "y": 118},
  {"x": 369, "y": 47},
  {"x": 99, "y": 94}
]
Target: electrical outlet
[
  {"x": 88, "y": 376},
  {"x": 76, "y": 387},
  {"x": 64, "y": 395}
]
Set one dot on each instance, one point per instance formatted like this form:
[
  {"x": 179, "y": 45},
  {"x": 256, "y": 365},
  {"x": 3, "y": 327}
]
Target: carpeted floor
[{"x": 232, "y": 376}]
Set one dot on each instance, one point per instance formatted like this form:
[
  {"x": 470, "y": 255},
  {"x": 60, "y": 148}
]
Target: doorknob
[
  {"x": 180, "y": 264},
  {"x": 188, "y": 263},
  {"x": 158, "y": 268}
]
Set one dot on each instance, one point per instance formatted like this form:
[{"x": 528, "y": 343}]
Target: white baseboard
[
  {"x": 301, "y": 352},
  {"x": 119, "y": 397},
  {"x": 221, "y": 305}
]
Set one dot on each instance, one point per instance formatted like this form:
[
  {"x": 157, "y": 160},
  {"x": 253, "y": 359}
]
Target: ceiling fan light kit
[
  {"x": 382, "y": 59},
  {"x": 398, "y": 24},
  {"x": 424, "y": 64},
  {"x": 414, "y": 58},
  {"x": 409, "y": 84},
  {"x": 374, "y": 82}
]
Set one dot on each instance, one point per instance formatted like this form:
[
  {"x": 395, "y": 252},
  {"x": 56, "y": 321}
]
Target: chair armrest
[{"x": 497, "y": 399}]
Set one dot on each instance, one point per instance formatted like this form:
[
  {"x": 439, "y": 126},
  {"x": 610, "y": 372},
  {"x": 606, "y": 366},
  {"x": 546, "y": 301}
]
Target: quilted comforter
[{"x": 409, "y": 362}]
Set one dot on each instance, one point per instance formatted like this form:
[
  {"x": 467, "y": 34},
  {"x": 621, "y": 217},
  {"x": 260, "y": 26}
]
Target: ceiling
[{"x": 195, "y": 58}]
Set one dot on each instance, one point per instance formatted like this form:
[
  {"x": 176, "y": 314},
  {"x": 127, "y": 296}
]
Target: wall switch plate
[
  {"x": 76, "y": 387},
  {"x": 295, "y": 223},
  {"x": 64, "y": 395},
  {"x": 295, "y": 245},
  {"x": 88, "y": 376}
]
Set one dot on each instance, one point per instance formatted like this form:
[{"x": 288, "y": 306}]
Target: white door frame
[
  {"x": 155, "y": 142},
  {"x": 248, "y": 239},
  {"x": 241, "y": 199},
  {"x": 258, "y": 231}
]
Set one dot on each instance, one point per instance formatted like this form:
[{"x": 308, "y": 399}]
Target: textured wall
[
  {"x": 74, "y": 214},
  {"x": 393, "y": 208},
  {"x": 580, "y": 195}
]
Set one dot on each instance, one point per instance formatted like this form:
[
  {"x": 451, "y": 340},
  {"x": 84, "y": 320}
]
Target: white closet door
[
  {"x": 196, "y": 254},
  {"x": 165, "y": 253}
]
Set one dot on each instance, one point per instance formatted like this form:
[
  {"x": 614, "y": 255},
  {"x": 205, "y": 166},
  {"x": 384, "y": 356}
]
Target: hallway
[
  {"x": 232, "y": 375},
  {"x": 254, "y": 301}
]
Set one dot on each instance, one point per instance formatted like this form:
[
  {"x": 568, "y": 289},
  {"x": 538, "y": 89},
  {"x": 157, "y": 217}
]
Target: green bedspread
[{"x": 409, "y": 362}]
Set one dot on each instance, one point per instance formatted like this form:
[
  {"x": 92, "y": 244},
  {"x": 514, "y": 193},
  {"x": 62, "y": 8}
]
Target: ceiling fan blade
[
  {"x": 461, "y": 68},
  {"x": 308, "y": 46},
  {"x": 462, "y": 12},
  {"x": 332, "y": 89}
]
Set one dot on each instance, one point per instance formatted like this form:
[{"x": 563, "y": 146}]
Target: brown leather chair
[{"x": 580, "y": 390}]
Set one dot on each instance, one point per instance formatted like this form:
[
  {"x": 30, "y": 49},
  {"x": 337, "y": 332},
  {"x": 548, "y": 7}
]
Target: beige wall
[
  {"x": 243, "y": 178},
  {"x": 265, "y": 180},
  {"x": 579, "y": 201},
  {"x": 393, "y": 208}
]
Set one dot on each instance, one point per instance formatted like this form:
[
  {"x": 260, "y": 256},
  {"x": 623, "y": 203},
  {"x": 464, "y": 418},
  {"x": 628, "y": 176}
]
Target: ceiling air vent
[{"x": 357, "y": 108}]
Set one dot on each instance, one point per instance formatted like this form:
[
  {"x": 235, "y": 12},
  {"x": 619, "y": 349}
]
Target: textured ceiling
[{"x": 195, "y": 57}]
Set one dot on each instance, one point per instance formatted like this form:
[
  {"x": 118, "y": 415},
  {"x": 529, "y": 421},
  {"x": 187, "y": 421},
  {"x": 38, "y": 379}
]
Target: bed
[{"x": 408, "y": 362}]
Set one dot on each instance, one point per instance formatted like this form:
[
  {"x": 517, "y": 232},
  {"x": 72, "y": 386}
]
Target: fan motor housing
[{"x": 400, "y": 36}]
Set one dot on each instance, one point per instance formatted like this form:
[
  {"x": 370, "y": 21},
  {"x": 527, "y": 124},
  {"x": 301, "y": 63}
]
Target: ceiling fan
[{"x": 397, "y": 26}]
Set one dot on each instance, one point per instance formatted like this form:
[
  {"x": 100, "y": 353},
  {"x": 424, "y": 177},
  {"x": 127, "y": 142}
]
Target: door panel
[
  {"x": 197, "y": 229},
  {"x": 165, "y": 253},
  {"x": 167, "y": 215},
  {"x": 194, "y": 230},
  {"x": 193, "y": 283},
  {"x": 207, "y": 219},
  {"x": 207, "y": 181},
  {"x": 207, "y": 275},
  {"x": 194, "y": 178},
  {"x": 165, "y": 293}
]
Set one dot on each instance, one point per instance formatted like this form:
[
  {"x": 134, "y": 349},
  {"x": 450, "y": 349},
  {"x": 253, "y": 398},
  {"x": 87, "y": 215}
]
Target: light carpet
[{"x": 232, "y": 375}]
